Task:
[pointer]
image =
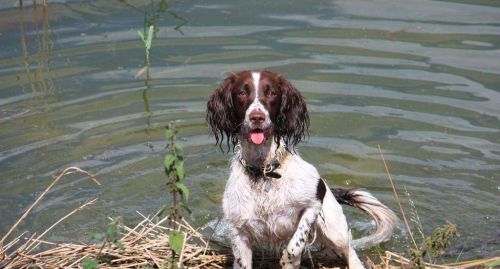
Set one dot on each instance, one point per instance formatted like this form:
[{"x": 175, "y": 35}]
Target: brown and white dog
[{"x": 273, "y": 197}]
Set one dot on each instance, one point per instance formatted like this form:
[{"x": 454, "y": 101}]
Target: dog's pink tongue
[{"x": 257, "y": 137}]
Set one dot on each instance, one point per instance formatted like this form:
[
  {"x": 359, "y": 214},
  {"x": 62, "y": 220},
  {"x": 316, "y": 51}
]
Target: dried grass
[
  {"x": 393, "y": 260},
  {"x": 147, "y": 246}
]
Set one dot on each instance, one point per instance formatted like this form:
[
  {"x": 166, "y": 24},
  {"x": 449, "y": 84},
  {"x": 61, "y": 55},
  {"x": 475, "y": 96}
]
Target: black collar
[{"x": 265, "y": 172}]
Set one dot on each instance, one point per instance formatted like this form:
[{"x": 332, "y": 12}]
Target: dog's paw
[
  {"x": 238, "y": 264},
  {"x": 289, "y": 260}
]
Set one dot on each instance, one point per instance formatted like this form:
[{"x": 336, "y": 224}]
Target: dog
[{"x": 273, "y": 197}]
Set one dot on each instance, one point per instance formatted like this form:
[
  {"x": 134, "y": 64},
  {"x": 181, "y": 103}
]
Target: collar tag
[{"x": 263, "y": 172}]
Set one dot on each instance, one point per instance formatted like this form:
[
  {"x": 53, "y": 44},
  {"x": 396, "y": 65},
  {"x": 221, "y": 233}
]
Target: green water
[{"x": 420, "y": 78}]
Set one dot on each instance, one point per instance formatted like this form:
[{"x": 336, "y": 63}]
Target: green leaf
[
  {"x": 176, "y": 240},
  {"x": 169, "y": 134},
  {"x": 119, "y": 245},
  {"x": 188, "y": 210},
  {"x": 182, "y": 23},
  {"x": 112, "y": 232},
  {"x": 178, "y": 149},
  {"x": 163, "y": 208},
  {"x": 98, "y": 236},
  {"x": 169, "y": 161},
  {"x": 150, "y": 37},
  {"x": 141, "y": 35},
  {"x": 88, "y": 263},
  {"x": 179, "y": 169},
  {"x": 183, "y": 189}
]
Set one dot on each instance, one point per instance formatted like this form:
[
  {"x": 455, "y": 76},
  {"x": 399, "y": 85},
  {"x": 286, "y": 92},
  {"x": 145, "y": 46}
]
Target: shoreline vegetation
[{"x": 150, "y": 244}]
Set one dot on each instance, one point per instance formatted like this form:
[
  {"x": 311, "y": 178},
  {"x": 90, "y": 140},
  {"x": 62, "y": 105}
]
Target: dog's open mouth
[{"x": 257, "y": 136}]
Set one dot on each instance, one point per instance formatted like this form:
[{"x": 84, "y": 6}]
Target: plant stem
[{"x": 396, "y": 197}]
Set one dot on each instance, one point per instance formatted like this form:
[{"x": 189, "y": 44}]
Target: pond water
[{"x": 419, "y": 78}]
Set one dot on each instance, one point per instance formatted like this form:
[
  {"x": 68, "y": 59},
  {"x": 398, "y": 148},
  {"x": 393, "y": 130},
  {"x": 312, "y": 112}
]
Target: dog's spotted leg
[
  {"x": 242, "y": 251},
  {"x": 290, "y": 258},
  {"x": 292, "y": 254}
]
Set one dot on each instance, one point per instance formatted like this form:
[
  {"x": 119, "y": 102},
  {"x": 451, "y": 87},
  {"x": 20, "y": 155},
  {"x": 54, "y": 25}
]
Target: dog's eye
[
  {"x": 243, "y": 91},
  {"x": 271, "y": 92}
]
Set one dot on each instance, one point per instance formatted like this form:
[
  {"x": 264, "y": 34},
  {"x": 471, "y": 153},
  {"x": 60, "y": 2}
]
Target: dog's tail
[{"x": 385, "y": 219}]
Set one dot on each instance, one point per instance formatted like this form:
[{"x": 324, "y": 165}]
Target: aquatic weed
[
  {"x": 110, "y": 237},
  {"x": 433, "y": 246}
]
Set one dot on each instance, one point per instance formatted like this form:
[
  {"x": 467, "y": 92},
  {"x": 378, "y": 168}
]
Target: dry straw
[{"x": 147, "y": 245}]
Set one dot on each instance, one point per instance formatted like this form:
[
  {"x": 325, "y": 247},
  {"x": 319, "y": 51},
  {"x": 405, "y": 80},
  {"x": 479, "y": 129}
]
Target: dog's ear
[
  {"x": 293, "y": 119},
  {"x": 221, "y": 118}
]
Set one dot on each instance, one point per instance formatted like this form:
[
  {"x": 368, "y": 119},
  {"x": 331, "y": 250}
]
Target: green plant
[
  {"x": 414, "y": 216},
  {"x": 150, "y": 28},
  {"x": 174, "y": 161},
  {"x": 150, "y": 25},
  {"x": 89, "y": 263},
  {"x": 110, "y": 237},
  {"x": 176, "y": 241},
  {"x": 433, "y": 246},
  {"x": 147, "y": 38},
  {"x": 174, "y": 170},
  {"x": 112, "y": 234},
  {"x": 147, "y": 35}
]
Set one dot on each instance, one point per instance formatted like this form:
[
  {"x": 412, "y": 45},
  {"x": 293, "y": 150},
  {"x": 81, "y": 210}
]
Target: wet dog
[{"x": 273, "y": 197}]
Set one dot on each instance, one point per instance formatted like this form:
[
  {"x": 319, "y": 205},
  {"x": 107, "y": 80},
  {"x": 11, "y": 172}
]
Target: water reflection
[
  {"x": 37, "y": 66},
  {"x": 152, "y": 15}
]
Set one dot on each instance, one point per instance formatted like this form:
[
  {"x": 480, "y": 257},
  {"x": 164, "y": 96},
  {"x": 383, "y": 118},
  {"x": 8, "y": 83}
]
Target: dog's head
[{"x": 257, "y": 106}]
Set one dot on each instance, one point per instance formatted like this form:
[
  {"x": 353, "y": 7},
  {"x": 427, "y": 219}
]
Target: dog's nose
[{"x": 257, "y": 117}]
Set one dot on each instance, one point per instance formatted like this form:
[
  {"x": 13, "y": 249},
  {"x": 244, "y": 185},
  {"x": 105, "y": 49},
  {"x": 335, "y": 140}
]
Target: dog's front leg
[
  {"x": 291, "y": 256},
  {"x": 242, "y": 250}
]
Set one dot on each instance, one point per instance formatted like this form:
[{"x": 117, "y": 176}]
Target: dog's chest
[
  {"x": 267, "y": 210},
  {"x": 275, "y": 216}
]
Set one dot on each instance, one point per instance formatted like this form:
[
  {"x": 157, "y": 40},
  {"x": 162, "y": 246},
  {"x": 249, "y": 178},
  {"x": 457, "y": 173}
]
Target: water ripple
[
  {"x": 487, "y": 148},
  {"x": 478, "y": 60},
  {"x": 450, "y": 122}
]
